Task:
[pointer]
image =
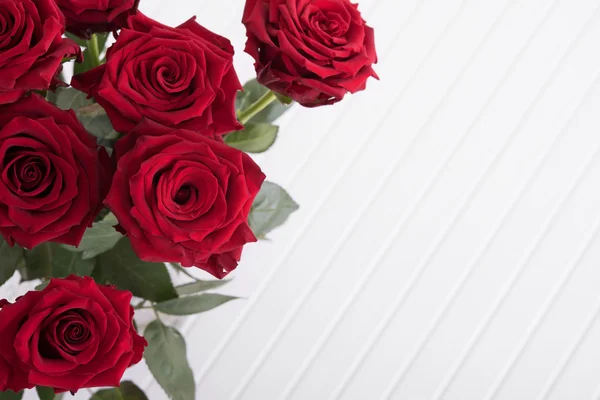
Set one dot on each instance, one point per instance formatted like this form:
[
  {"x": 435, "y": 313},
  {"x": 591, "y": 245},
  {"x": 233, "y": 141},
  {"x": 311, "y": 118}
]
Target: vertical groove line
[
  {"x": 596, "y": 395},
  {"x": 358, "y": 217},
  {"x": 508, "y": 286},
  {"x": 265, "y": 282},
  {"x": 490, "y": 239},
  {"x": 540, "y": 316},
  {"x": 589, "y": 322}
]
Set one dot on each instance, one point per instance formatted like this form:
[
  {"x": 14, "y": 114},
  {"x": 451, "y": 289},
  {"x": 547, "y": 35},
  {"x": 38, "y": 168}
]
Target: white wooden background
[{"x": 447, "y": 242}]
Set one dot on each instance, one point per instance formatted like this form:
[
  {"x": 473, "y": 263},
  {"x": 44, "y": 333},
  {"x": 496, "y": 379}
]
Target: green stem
[
  {"x": 256, "y": 107},
  {"x": 94, "y": 51},
  {"x": 140, "y": 305},
  {"x": 156, "y": 313}
]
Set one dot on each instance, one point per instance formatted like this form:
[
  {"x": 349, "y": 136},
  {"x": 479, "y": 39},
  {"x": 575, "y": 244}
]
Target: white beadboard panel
[{"x": 448, "y": 240}]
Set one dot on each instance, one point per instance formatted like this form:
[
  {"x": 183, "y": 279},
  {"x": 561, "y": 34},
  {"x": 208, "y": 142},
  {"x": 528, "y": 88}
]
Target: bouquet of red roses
[{"x": 140, "y": 168}]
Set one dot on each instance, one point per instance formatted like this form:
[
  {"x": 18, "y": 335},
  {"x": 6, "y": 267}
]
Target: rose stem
[
  {"x": 139, "y": 305},
  {"x": 256, "y": 107},
  {"x": 156, "y": 313},
  {"x": 93, "y": 50}
]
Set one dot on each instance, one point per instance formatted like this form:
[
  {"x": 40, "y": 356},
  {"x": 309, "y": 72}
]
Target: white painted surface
[{"x": 447, "y": 242}]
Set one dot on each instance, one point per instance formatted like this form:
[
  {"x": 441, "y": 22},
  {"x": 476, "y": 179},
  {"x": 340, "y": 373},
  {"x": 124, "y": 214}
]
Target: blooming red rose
[
  {"x": 180, "y": 77},
  {"x": 31, "y": 46},
  {"x": 182, "y": 197},
  {"x": 86, "y": 17},
  {"x": 314, "y": 51},
  {"x": 53, "y": 175},
  {"x": 73, "y": 334}
]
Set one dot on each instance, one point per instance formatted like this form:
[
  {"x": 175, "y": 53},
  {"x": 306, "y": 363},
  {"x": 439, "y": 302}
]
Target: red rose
[
  {"x": 182, "y": 197},
  {"x": 180, "y": 77},
  {"x": 86, "y": 17},
  {"x": 31, "y": 46},
  {"x": 73, "y": 334},
  {"x": 53, "y": 176},
  {"x": 312, "y": 51}
]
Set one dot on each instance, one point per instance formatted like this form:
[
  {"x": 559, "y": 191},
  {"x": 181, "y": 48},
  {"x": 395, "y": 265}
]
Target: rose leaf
[
  {"x": 10, "y": 395},
  {"x": 85, "y": 65},
  {"x": 69, "y": 98},
  {"x": 101, "y": 237},
  {"x": 76, "y": 39},
  {"x": 46, "y": 393},
  {"x": 51, "y": 260},
  {"x": 9, "y": 258},
  {"x": 127, "y": 391},
  {"x": 199, "y": 286},
  {"x": 270, "y": 209},
  {"x": 193, "y": 304},
  {"x": 167, "y": 360},
  {"x": 254, "y": 138},
  {"x": 95, "y": 121},
  {"x": 122, "y": 267}
]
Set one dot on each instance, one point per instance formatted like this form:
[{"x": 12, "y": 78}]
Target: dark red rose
[
  {"x": 31, "y": 47},
  {"x": 182, "y": 197},
  {"x": 71, "y": 335},
  {"x": 312, "y": 51},
  {"x": 180, "y": 77},
  {"x": 87, "y": 17},
  {"x": 53, "y": 175}
]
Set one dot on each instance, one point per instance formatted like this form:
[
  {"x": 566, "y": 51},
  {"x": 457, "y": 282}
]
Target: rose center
[
  {"x": 166, "y": 75},
  {"x": 183, "y": 195},
  {"x": 330, "y": 26},
  {"x": 68, "y": 333},
  {"x": 27, "y": 172}
]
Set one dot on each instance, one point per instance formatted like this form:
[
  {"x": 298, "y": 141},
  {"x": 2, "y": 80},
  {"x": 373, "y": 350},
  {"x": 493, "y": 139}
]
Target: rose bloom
[
  {"x": 312, "y": 51},
  {"x": 31, "y": 47},
  {"x": 86, "y": 17},
  {"x": 53, "y": 176},
  {"x": 73, "y": 334},
  {"x": 180, "y": 77},
  {"x": 182, "y": 197}
]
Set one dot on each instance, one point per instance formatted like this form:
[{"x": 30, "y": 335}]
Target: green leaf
[
  {"x": 9, "y": 258},
  {"x": 101, "y": 128},
  {"x": 94, "y": 119},
  {"x": 127, "y": 391},
  {"x": 252, "y": 92},
  {"x": 51, "y": 260},
  {"x": 193, "y": 304},
  {"x": 167, "y": 360},
  {"x": 271, "y": 208},
  {"x": 69, "y": 98},
  {"x": 10, "y": 395},
  {"x": 122, "y": 267},
  {"x": 76, "y": 39},
  {"x": 42, "y": 285},
  {"x": 85, "y": 65},
  {"x": 200, "y": 286},
  {"x": 46, "y": 393},
  {"x": 101, "y": 237},
  {"x": 255, "y": 138}
]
